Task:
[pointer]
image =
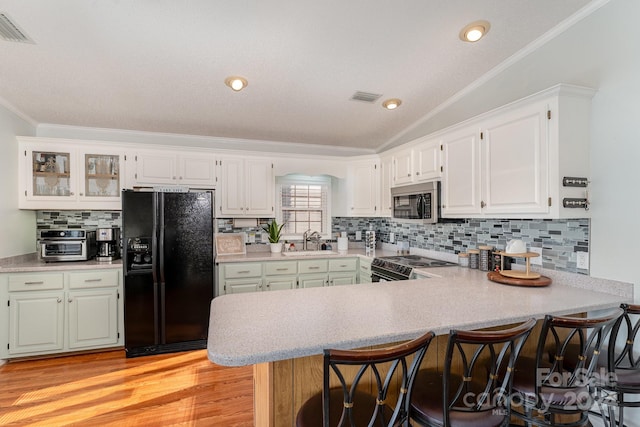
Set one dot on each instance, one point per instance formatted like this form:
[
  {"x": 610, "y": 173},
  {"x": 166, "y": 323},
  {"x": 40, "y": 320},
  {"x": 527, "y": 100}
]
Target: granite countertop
[
  {"x": 261, "y": 327},
  {"x": 31, "y": 263}
]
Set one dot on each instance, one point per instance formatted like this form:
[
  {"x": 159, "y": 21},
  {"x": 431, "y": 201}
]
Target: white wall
[{"x": 17, "y": 228}]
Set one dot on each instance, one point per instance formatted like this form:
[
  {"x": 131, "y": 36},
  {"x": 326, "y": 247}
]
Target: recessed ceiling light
[
  {"x": 474, "y": 31},
  {"x": 236, "y": 83},
  {"x": 391, "y": 104}
]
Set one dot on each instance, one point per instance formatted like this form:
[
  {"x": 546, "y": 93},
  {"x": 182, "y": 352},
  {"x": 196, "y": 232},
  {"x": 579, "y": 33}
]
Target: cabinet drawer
[
  {"x": 343, "y": 264},
  {"x": 233, "y": 271},
  {"x": 279, "y": 268},
  {"x": 36, "y": 281},
  {"x": 312, "y": 266},
  {"x": 94, "y": 279}
]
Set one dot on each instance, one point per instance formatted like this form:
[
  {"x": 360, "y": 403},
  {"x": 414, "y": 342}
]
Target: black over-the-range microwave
[{"x": 417, "y": 201}]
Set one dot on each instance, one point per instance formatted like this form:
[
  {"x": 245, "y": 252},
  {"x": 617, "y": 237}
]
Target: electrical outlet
[
  {"x": 538, "y": 259},
  {"x": 358, "y": 235},
  {"x": 582, "y": 260},
  {"x": 392, "y": 237}
]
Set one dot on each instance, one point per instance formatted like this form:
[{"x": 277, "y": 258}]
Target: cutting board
[{"x": 494, "y": 276}]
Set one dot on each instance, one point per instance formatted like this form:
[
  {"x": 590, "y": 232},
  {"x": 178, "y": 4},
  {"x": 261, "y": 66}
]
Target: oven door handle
[{"x": 383, "y": 276}]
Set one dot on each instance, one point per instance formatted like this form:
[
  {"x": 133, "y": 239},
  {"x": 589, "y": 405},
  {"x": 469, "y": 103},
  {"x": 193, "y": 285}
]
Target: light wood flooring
[{"x": 107, "y": 389}]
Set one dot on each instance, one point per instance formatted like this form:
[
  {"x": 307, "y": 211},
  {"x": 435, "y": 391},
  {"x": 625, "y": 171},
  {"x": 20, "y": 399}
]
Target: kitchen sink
[{"x": 309, "y": 253}]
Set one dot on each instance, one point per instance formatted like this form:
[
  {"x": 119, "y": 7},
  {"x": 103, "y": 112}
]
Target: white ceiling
[{"x": 160, "y": 65}]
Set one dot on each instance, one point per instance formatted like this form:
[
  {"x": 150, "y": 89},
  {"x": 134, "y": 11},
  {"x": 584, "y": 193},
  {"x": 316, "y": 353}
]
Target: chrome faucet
[{"x": 315, "y": 236}]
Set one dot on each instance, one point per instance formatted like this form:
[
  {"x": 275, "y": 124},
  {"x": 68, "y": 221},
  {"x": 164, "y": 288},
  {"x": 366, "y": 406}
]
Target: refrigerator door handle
[
  {"x": 163, "y": 335},
  {"x": 154, "y": 267}
]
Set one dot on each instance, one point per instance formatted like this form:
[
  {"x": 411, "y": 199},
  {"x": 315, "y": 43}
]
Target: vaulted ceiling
[{"x": 160, "y": 66}]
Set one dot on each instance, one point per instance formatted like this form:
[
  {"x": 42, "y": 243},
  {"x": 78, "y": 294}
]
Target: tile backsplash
[
  {"x": 559, "y": 239},
  {"x": 78, "y": 219}
]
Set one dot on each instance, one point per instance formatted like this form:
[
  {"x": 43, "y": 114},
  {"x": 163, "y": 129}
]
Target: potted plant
[{"x": 275, "y": 231}]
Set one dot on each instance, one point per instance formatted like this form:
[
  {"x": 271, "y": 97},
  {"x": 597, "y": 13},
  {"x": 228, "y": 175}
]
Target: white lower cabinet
[
  {"x": 238, "y": 286},
  {"x": 337, "y": 279},
  {"x": 93, "y": 319},
  {"x": 291, "y": 274},
  {"x": 364, "y": 272},
  {"x": 60, "y": 312},
  {"x": 280, "y": 282},
  {"x": 36, "y": 323},
  {"x": 312, "y": 280}
]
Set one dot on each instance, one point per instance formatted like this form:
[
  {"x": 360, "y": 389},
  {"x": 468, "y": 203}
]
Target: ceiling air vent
[
  {"x": 365, "y": 97},
  {"x": 10, "y": 32}
]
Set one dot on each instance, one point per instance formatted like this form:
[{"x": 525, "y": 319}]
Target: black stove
[{"x": 400, "y": 267}]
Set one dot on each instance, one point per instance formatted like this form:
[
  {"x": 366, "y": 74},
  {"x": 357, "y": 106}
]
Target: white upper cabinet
[
  {"x": 386, "y": 181},
  {"x": 364, "y": 188},
  {"x": 511, "y": 161},
  {"x": 403, "y": 167},
  {"x": 421, "y": 162},
  {"x": 427, "y": 160},
  {"x": 461, "y": 180},
  {"x": 515, "y": 162},
  {"x": 167, "y": 167},
  {"x": 61, "y": 174},
  {"x": 246, "y": 187}
]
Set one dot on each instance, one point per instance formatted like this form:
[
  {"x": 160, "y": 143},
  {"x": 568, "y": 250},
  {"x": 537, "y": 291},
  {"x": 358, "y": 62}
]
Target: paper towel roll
[{"x": 343, "y": 243}]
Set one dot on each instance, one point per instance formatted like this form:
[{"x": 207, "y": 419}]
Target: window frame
[{"x": 304, "y": 180}]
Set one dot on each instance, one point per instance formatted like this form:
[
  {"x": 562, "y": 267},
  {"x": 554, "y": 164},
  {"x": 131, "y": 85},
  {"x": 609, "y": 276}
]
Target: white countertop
[
  {"x": 261, "y": 327},
  {"x": 31, "y": 263},
  {"x": 265, "y": 255}
]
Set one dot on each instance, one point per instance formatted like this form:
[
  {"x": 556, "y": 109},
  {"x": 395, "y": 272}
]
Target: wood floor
[{"x": 107, "y": 389}]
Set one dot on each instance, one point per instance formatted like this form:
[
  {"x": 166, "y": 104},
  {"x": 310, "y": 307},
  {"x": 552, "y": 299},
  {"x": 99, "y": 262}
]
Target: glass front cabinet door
[
  {"x": 52, "y": 175},
  {"x": 101, "y": 177},
  {"x": 69, "y": 176}
]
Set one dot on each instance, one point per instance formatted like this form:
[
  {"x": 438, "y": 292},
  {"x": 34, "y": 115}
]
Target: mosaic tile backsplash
[
  {"x": 559, "y": 239},
  {"x": 78, "y": 219}
]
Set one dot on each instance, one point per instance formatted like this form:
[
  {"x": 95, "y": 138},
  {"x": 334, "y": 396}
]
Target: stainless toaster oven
[{"x": 67, "y": 244}]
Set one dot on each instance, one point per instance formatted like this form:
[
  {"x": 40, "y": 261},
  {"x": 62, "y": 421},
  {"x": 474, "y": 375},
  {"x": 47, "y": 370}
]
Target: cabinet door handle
[
  {"x": 92, "y": 280},
  {"x": 343, "y": 265},
  {"x": 482, "y": 204},
  {"x": 408, "y": 174},
  {"x": 34, "y": 283},
  {"x": 244, "y": 272},
  {"x": 59, "y": 300},
  {"x": 281, "y": 269},
  {"x": 313, "y": 268},
  {"x": 70, "y": 300},
  {"x": 417, "y": 173}
]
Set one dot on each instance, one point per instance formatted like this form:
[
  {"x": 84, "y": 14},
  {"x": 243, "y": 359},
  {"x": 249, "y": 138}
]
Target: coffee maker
[{"x": 108, "y": 240}]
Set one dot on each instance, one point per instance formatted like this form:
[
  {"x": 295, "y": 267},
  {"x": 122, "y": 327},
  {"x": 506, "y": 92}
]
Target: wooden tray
[{"x": 495, "y": 276}]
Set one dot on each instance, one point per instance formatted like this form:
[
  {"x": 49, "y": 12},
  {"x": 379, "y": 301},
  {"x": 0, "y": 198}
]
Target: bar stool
[
  {"x": 554, "y": 388},
  {"x": 348, "y": 405},
  {"x": 623, "y": 360},
  {"x": 474, "y": 388}
]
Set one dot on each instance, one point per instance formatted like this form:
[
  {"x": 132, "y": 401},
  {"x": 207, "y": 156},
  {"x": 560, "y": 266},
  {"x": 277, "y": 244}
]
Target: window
[{"x": 304, "y": 205}]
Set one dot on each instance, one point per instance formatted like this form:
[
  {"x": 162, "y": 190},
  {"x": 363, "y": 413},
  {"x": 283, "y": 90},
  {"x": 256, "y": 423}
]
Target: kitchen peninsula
[{"x": 283, "y": 333}]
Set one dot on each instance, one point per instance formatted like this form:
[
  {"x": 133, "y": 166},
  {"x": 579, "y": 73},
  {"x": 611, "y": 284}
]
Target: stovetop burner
[
  {"x": 400, "y": 267},
  {"x": 417, "y": 261}
]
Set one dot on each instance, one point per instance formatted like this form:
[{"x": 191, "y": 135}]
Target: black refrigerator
[{"x": 168, "y": 258}]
